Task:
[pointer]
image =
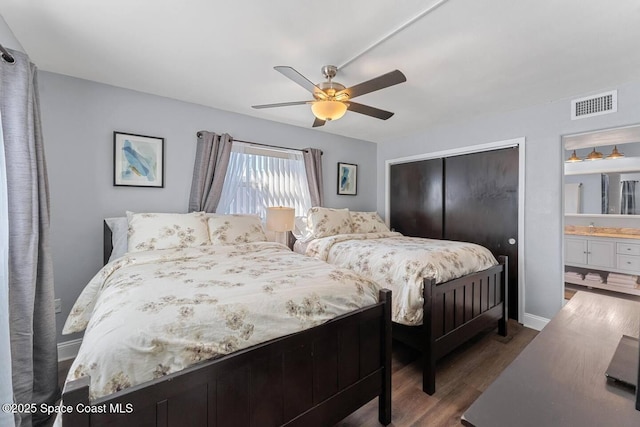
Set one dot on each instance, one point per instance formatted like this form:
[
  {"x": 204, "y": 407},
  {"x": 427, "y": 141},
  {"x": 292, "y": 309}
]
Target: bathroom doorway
[{"x": 602, "y": 211}]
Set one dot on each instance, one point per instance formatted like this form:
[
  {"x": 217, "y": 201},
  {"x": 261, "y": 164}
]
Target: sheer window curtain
[
  {"x": 212, "y": 160},
  {"x": 257, "y": 178},
  {"x": 30, "y": 285}
]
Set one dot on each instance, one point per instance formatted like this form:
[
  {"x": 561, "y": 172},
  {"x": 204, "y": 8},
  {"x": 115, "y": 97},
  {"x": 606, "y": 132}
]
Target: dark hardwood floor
[{"x": 460, "y": 378}]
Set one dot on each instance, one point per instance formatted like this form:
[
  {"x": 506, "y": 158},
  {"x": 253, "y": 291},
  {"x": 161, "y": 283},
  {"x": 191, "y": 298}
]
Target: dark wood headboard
[{"x": 107, "y": 244}]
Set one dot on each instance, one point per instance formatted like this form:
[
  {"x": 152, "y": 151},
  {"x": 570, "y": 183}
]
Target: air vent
[{"x": 595, "y": 105}]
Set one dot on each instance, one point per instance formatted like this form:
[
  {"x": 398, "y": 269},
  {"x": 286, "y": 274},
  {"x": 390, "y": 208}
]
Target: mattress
[
  {"x": 152, "y": 313},
  {"x": 401, "y": 263}
]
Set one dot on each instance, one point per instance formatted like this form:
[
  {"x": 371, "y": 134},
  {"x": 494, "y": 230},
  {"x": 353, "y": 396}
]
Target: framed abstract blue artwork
[
  {"x": 347, "y": 179},
  {"x": 138, "y": 160}
]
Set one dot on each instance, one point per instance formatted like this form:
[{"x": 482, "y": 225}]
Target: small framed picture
[
  {"x": 138, "y": 160},
  {"x": 347, "y": 179}
]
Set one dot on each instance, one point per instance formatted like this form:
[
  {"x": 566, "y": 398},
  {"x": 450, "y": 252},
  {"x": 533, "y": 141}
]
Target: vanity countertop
[{"x": 611, "y": 232}]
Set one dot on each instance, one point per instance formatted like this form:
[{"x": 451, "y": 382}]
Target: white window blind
[{"x": 258, "y": 177}]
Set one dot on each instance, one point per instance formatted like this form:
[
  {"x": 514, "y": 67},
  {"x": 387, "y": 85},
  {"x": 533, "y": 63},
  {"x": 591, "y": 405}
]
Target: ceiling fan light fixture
[
  {"x": 594, "y": 155},
  {"x": 328, "y": 110},
  {"x": 615, "y": 154},
  {"x": 574, "y": 158}
]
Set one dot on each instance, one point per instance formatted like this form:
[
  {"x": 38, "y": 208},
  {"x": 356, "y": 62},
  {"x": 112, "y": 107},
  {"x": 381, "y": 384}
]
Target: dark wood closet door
[
  {"x": 481, "y": 206},
  {"x": 415, "y": 198}
]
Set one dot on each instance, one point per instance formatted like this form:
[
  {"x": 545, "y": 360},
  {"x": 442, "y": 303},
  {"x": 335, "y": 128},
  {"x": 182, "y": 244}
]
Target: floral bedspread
[
  {"x": 152, "y": 313},
  {"x": 400, "y": 263}
]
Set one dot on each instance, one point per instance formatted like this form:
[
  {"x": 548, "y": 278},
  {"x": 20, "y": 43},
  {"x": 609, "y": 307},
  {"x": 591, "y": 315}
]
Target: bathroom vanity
[{"x": 602, "y": 250}]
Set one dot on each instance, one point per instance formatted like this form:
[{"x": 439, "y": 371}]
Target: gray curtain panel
[
  {"x": 31, "y": 308},
  {"x": 212, "y": 160},
  {"x": 628, "y": 198},
  {"x": 604, "y": 184},
  {"x": 313, "y": 167}
]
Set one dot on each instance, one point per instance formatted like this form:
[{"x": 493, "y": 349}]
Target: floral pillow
[
  {"x": 234, "y": 229},
  {"x": 150, "y": 231},
  {"x": 367, "y": 222},
  {"x": 324, "y": 222}
]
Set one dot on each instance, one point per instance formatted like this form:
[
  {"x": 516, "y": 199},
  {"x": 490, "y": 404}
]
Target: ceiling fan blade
[
  {"x": 380, "y": 82},
  {"x": 300, "y": 79},
  {"x": 369, "y": 111},
  {"x": 281, "y": 104},
  {"x": 318, "y": 122}
]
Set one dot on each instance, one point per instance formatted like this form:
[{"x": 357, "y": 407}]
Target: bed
[
  {"x": 445, "y": 292},
  {"x": 333, "y": 357}
]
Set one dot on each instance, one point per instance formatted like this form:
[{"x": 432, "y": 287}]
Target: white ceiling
[{"x": 465, "y": 58}]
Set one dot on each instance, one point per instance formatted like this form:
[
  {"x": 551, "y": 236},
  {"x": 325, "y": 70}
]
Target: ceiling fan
[{"x": 332, "y": 99}]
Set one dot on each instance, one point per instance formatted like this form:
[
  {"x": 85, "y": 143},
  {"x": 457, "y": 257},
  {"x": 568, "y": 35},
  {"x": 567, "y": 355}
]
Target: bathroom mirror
[
  {"x": 604, "y": 193},
  {"x": 610, "y": 184}
]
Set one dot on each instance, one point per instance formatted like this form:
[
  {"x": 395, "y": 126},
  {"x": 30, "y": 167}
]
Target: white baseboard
[
  {"x": 68, "y": 349},
  {"x": 534, "y": 322}
]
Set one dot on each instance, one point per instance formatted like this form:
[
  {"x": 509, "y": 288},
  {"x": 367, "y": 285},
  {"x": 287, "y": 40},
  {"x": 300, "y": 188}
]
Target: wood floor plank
[
  {"x": 461, "y": 377},
  {"x": 449, "y": 409}
]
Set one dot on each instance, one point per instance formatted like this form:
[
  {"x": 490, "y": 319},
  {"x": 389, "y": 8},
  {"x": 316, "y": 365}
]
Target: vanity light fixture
[
  {"x": 574, "y": 158},
  {"x": 594, "y": 155},
  {"x": 615, "y": 154}
]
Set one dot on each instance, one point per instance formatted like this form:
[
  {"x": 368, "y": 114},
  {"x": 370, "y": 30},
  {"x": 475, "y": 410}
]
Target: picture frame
[
  {"x": 347, "y": 179},
  {"x": 138, "y": 160}
]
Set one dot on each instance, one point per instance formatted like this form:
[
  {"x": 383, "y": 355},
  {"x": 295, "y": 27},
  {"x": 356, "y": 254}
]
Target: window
[{"x": 258, "y": 177}]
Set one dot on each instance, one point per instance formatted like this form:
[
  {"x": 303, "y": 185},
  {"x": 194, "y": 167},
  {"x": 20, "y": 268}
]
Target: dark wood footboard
[
  {"x": 312, "y": 378},
  {"x": 454, "y": 312}
]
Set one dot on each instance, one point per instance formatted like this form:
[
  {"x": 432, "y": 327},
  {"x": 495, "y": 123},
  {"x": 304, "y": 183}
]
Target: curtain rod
[
  {"x": 199, "y": 135},
  {"x": 8, "y": 58}
]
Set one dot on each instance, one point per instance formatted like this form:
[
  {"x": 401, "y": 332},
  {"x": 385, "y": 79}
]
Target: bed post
[
  {"x": 76, "y": 393},
  {"x": 504, "y": 287},
  {"x": 428, "y": 351},
  {"x": 107, "y": 244},
  {"x": 384, "y": 400}
]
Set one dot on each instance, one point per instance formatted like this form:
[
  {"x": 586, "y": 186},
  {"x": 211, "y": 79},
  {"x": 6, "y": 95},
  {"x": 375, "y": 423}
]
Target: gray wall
[
  {"x": 542, "y": 126},
  {"x": 79, "y": 118}
]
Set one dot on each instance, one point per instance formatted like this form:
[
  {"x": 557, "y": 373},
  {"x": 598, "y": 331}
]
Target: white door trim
[{"x": 516, "y": 142}]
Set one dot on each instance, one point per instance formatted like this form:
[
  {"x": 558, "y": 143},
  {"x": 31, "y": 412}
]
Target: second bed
[{"x": 445, "y": 292}]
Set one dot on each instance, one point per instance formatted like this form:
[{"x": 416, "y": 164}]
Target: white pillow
[
  {"x": 234, "y": 229},
  {"x": 300, "y": 230},
  {"x": 150, "y": 231},
  {"x": 119, "y": 229},
  {"x": 367, "y": 222},
  {"x": 324, "y": 222}
]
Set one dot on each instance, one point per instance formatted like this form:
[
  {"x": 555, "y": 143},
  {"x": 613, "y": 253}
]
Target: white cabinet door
[
  {"x": 601, "y": 253},
  {"x": 575, "y": 251}
]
